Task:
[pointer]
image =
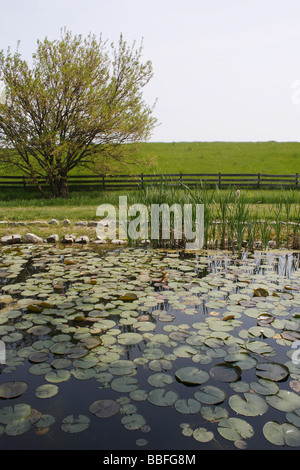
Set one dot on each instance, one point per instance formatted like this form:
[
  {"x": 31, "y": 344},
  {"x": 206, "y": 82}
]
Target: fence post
[
  {"x": 103, "y": 182},
  {"x": 219, "y": 180},
  {"x": 180, "y": 179},
  {"x": 24, "y": 182},
  {"x": 297, "y": 182},
  {"x": 258, "y": 179},
  {"x": 142, "y": 180}
]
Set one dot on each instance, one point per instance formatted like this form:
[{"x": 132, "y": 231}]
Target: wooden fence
[{"x": 210, "y": 180}]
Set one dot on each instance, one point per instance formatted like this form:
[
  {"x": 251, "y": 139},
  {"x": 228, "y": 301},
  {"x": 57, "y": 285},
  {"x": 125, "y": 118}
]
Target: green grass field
[
  {"x": 212, "y": 157},
  {"x": 225, "y": 157}
]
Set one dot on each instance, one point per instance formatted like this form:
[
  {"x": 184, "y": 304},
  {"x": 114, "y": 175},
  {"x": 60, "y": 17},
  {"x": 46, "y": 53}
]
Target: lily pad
[
  {"x": 13, "y": 389},
  {"x": 282, "y": 434},
  {"x": 265, "y": 387},
  {"x": 18, "y": 427},
  {"x": 104, "y": 408},
  {"x": 133, "y": 421},
  {"x": 210, "y": 395},
  {"x": 191, "y": 376},
  {"x": 203, "y": 435},
  {"x": 160, "y": 379},
  {"x": 162, "y": 397},
  {"x": 213, "y": 413},
  {"x": 124, "y": 384},
  {"x": 272, "y": 371},
  {"x": 74, "y": 425},
  {"x": 130, "y": 338},
  {"x": 226, "y": 372},
  {"x": 46, "y": 391},
  {"x": 39, "y": 330},
  {"x": 19, "y": 412},
  {"x": 234, "y": 429},
  {"x": 187, "y": 405},
  {"x": 284, "y": 400},
  {"x": 249, "y": 405}
]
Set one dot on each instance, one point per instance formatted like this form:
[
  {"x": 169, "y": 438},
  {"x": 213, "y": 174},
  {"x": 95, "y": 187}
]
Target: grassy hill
[
  {"x": 210, "y": 157},
  {"x": 225, "y": 157}
]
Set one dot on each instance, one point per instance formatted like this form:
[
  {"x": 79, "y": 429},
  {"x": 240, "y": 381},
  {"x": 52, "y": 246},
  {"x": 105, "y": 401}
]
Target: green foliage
[{"x": 77, "y": 103}]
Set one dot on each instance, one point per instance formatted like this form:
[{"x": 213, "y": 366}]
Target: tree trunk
[{"x": 59, "y": 186}]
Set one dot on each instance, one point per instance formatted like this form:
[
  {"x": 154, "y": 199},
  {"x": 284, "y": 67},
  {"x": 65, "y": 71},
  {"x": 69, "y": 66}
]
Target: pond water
[{"x": 114, "y": 349}]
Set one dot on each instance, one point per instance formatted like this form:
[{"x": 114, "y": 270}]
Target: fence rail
[{"x": 210, "y": 180}]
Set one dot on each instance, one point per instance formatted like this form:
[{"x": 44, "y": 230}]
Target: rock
[
  {"x": 93, "y": 223},
  {"x": 272, "y": 244},
  {"x": 13, "y": 224},
  {"x": 99, "y": 242},
  {"x": 66, "y": 222},
  {"x": 32, "y": 238},
  {"x": 116, "y": 241},
  {"x": 40, "y": 223},
  {"x": 81, "y": 223},
  {"x": 53, "y": 222},
  {"x": 11, "y": 239},
  {"x": 52, "y": 238},
  {"x": 68, "y": 239},
  {"x": 83, "y": 239}
]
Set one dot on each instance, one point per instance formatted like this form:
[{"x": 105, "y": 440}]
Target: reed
[{"x": 230, "y": 219}]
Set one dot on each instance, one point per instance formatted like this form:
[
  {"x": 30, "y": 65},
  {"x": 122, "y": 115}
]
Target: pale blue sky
[{"x": 224, "y": 70}]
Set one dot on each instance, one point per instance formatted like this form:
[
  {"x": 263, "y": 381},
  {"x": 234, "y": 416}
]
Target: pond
[{"x": 128, "y": 349}]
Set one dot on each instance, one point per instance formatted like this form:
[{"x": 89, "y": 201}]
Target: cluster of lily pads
[{"x": 210, "y": 339}]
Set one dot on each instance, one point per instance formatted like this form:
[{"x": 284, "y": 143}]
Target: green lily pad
[
  {"x": 282, "y": 434},
  {"x": 57, "y": 376},
  {"x": 39, "y": 330},
  {"x": 45, "y": 421},
  {"x": 130, "y": 338},
  {"x": 284, "y": 400},
  {"x": 226, "y": 372},
  {"x": 210, "y": 395},
  {"x": 293, "y": 417},
  {"x": 74, "y": 425},
  {"x": 162, "y": 397},
  {"x": 122, "y": 367},
  {"x": 213, "y": 413},
  {"x": 265, "y": 387},
  {"x": 272, "y": 371},
  {"x": 191, "y": 376},
  {"x": 19, "y": 412},
  {"x": 124, "y": 384},
  {"x": 38, "y": 357},
  {"x": 13, "y": 389},
  {"x": 46, "y": 391},
  {"x": 187, "y": 405},
  {"x": 234, "y": 429},
  {"x": 18, "y": 427},
  {"x": 203, "y": 435},
  {"x": 249, "y": 405},
  {"x": 160, "y": 379},
  {"x": 133, "y": 421},
  {"x": 104, "y": 408}
]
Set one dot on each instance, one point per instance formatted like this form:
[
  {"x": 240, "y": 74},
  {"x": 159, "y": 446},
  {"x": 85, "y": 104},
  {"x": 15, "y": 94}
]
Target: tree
[{"x": 78, "y": 101}]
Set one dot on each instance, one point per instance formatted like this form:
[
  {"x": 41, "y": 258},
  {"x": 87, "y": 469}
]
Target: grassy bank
[
  {"x": 264, "y": 215},
  {"x": 231, "y": 220}
]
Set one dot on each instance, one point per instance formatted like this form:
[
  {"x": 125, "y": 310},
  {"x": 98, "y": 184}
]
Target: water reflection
[{"x": 283, "y": 264}]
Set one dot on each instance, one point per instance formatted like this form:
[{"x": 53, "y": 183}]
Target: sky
[{"x": 224, "y": 70}]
